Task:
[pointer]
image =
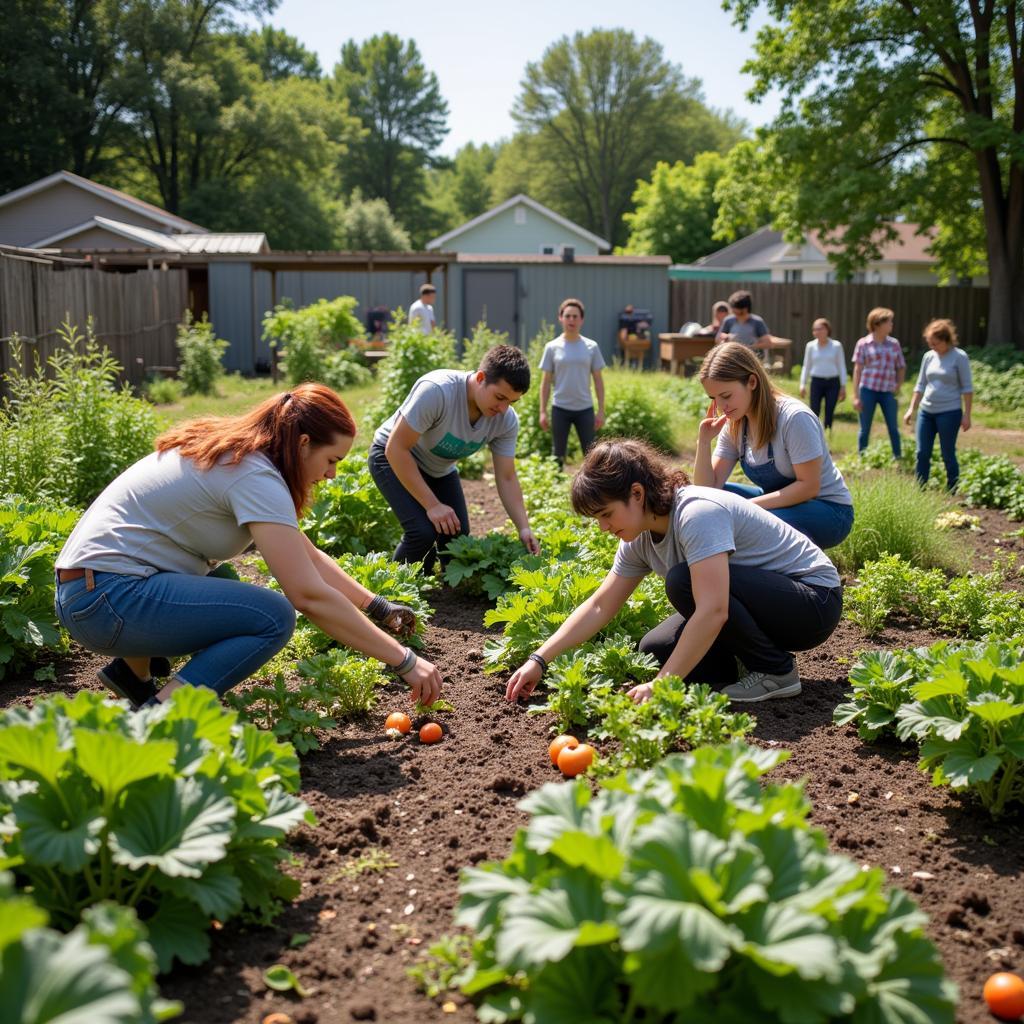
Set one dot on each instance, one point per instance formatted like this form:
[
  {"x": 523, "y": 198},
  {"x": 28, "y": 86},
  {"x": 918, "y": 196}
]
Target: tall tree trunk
[{"x": 1005, "y": 256}]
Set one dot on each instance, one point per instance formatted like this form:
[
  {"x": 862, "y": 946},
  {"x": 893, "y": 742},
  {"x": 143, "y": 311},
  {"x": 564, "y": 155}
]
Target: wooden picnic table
[{"x": 676, "y": 349}]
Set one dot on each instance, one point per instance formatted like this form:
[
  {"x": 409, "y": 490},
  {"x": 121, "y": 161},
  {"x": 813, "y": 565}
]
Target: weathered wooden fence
[
  {"x": 790, "y": 309},
  {"x": 134, "y": 315}
]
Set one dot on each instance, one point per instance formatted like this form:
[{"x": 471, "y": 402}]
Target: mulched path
[{"x": 433, "y": 809}]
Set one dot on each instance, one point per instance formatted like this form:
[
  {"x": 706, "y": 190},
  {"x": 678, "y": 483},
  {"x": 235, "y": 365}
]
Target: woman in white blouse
[{"x": 825, "y": 364}]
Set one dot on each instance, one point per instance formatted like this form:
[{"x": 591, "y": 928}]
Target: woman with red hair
[{"x": 134, "y": 578}]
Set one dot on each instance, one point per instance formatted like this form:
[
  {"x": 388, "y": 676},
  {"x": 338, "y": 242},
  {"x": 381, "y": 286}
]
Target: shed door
[{"x": 491, "y": 295}]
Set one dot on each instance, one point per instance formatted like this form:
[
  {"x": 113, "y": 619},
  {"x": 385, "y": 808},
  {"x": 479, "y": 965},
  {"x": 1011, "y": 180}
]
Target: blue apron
[{"x": 767, "y": 477}]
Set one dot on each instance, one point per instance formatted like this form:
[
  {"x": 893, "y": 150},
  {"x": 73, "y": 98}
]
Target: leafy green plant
[
  {"x": 178, "y": 812},
  {"x": 400, "y": 582},
  {"x": 882, "y": 682},
  {"x": 991, "y": 481},
  {"x": 675, "y": 716},
  {"x": 200, "y": 355},
  {"x": 349, "y": 514},
  {"x": 163, "y": 391},
  {"x": 314, "y": 342},
  {"x": 480, "y": 341},
  {"x": 101, "y": 972},
  {"x": 293, "y": 714},
  {"x": 894, "y": 515},
  {"x": 636, "y": 408},
  {"x": 974, "y": 605},
  {"x": 482, "y": 565},
  {"x": 690, "y": 891},
  {"x": 67, "y": 429},
  {"x": 968, "y": 717},
  {"x": 31, "y": 535},
  {"x": 348, "y": 682}
]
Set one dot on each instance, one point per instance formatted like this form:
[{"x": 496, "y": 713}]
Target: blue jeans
[
  {"x": 886, "y": 401},
  {"x": 947, "y": 426},
  {"x": 229, "y": 628},
  {"x": 825, "y": 523}
]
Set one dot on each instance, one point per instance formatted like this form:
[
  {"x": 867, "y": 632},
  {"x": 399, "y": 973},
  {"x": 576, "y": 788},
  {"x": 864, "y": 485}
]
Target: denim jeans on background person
[
  {"x": 947, "y": 426},
  {"x": 770, "y": 615},
  {"x": 230, "y": 628},
  {"x": 825, "y": 523},
  {"x": 420, "y": 541},
  {"x": 886, "y": 401}
]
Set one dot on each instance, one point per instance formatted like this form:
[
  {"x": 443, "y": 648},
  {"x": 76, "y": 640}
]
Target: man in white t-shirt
[{"x": 422, "y": 311}]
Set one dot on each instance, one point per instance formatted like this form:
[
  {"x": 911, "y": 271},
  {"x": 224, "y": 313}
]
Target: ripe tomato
[
  {"x": 1004, "y": 993},
  {"x": 430, "y": 733},
  {"x": 558, "y": 744},
  {"x": 575, "y": 759},
  {"x": 398, "y": 720}
]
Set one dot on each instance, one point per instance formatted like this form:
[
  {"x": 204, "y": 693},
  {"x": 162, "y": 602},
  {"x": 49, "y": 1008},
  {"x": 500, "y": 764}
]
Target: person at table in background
[
  {"x": 944, "y": 391},
  {"x": 825, "y": 366},
  {"x": 421, "y": 312},
  {"x": 569, "y": 362},
  {"x": 778, "y": 442},
  {"x": 743, "y": 326},
  {"x": 744, "y": 584},
  {"x": 448, "y": 415},
  {"x": 134, "y": 582},
  {"x": 879, "y": 370},
  {"x": 719, "y": 311}
]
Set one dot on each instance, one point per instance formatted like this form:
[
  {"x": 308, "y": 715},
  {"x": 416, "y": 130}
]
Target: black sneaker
[{"x": 117, "y": 676}]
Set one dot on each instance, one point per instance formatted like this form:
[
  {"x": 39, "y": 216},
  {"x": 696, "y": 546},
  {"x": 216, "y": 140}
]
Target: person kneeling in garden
[
  {"x": 134, "y": 579},
  {"x": 744, "y": 583},
  {"x": 448, "y": 415}
]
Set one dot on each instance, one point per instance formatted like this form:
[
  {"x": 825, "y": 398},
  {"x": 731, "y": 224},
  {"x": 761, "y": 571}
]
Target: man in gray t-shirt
[
  {"x": 742, "y": 325},
  {"x": 448, "y": 415}
]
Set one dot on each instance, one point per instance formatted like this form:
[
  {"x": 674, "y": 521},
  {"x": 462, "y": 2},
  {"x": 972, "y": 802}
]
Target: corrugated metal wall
[
  {"x": 603, "y": 290},
  {"x": 239, "y": 297}
]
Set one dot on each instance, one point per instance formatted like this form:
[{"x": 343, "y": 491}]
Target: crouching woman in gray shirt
[
  {"x": 744, "y": 583},
  {"x": 133, "y": 579}
]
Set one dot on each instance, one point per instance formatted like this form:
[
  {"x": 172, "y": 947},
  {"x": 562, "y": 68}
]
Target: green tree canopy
[
  {"x": 898, "y": 108},
  {"x": 595, "y": 113},
  {"x": 368, "y": 224},
  {"x": 676, "y": 210},
  {"x": 404, "y": 117}
]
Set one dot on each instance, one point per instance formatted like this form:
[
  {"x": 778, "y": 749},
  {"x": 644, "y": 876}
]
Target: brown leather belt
[{"x": 67, "y": 575}]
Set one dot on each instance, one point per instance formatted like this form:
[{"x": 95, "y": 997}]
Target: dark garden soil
[{"x": 433, "y": 809}]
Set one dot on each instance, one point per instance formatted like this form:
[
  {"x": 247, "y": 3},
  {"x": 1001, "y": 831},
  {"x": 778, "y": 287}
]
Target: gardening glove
[{"x": 395, "y": 618}]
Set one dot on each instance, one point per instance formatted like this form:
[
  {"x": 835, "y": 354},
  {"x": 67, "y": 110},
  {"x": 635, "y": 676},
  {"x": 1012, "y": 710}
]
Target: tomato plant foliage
[
  {"x": 178, "y": 812},
  {"x": 693, "y": 892}
]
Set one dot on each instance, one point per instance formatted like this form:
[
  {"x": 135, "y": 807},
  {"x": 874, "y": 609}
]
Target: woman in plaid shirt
[{"x": 878, "y": 372}]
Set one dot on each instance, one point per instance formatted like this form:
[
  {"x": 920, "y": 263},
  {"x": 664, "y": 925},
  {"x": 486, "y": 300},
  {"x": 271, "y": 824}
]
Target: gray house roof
[
  {"x": 209, "y": 242},
  {"x": 442, "y": 240},
  {"x": 754, "y": 252},
  {"x": 169, "y": 221}
]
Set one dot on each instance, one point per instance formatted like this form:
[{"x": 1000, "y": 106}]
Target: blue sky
[{"x": 478, "y": 49}]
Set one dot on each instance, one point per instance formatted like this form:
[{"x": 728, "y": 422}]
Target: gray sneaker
[{"x": 757, "y": 686}]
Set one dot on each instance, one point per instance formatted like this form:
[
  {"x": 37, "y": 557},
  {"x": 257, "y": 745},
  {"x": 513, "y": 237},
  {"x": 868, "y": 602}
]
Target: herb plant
[
  {"x": 178, "y": 812},
  {"x": 882, "y": 683},
  {"x": 690, "y": 892}
]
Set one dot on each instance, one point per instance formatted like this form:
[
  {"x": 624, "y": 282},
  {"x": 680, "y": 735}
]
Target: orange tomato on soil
[
  {"x": 278, "y": 1018},
  {"x": 573, "y": 760},
  {"x": 558, "y": 744},
  {"x": 398, "y": 720},
  {"x": 430, "y": 733},
  {"x": 1004, "y": 993}
]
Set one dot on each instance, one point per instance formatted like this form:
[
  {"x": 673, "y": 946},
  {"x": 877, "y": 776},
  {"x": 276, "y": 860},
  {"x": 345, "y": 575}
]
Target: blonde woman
[
  {"x": 778, "y": 442},
  {"x": 879, "y": 370},
  {"x": 942, "y": 385}
]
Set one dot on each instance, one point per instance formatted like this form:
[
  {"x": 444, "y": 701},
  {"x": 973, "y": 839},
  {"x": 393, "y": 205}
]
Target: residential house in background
[
  {"x": 766, "y": 256},
  {"x": 522, "y": 226}
]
